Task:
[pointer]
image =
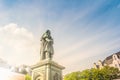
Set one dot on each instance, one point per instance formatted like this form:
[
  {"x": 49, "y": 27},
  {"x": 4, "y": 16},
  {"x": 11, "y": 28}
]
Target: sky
[{"x": 84, "y": 31}]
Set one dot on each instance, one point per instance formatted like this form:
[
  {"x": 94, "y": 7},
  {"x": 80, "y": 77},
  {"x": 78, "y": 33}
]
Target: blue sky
[{"x": 84, "y": 31}]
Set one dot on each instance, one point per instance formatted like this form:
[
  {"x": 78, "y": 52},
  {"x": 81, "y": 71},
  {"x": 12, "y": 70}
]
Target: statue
[
  {"x": 56, "y": 77},
  {"x": 46, "y": 51}
]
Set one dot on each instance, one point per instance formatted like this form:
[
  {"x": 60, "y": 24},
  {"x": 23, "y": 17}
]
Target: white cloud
[{"x": 18, "y": 45}]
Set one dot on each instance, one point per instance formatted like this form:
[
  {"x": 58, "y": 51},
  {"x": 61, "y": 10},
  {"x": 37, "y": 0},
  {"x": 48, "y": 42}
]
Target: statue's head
[{"x": 48, "y": 32}]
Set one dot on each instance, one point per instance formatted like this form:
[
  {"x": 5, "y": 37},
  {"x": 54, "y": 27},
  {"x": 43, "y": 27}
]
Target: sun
[{"x": 5, "y": 74}]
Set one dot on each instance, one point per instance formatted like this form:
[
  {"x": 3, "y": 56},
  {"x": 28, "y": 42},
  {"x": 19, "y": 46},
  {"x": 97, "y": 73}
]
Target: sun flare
[{"x": 6, "y": 74}]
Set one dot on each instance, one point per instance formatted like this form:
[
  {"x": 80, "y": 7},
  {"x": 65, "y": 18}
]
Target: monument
[{"x": 46, "y": 68}]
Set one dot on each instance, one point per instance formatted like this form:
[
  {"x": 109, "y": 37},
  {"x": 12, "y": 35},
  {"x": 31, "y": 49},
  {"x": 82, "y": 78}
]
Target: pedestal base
[{"x": 47, "y": 70}]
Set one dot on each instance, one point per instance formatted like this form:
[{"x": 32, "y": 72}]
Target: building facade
[{"x": 112, "y": 61}]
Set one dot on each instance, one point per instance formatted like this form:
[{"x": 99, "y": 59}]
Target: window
[{"x": 114, "y": 57}]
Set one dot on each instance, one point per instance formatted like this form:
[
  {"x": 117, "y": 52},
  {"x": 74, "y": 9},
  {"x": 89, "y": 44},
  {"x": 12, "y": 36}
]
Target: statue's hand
[{"x": 49, "y": 40}]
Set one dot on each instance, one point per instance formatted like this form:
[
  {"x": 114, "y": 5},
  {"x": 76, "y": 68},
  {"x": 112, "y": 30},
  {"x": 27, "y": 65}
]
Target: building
[
  {"x": 112, "y": 61},
  {"x": 100, "y": 65}
]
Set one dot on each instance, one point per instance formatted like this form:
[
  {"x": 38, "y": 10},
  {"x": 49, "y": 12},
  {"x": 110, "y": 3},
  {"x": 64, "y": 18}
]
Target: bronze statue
[{"x": 46, "y": 51}]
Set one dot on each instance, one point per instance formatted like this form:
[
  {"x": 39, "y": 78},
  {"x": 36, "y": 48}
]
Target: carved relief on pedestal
[
  {"x": 38, "y": 76},
  {"x": 55, "y": 77}
]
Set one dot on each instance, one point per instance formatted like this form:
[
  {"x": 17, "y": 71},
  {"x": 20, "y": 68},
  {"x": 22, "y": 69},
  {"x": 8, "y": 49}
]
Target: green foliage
[
  {"x": 106, "y": 73},
  {"x": 110, "y": 72},
  {"x": 72, "y": 76},
  {"x": 85, "y": 75},
  {"x": 28, "y": 77}
]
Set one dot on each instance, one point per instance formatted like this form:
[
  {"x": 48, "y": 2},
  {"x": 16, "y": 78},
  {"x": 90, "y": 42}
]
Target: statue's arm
[{"x": 49, "y": 40}]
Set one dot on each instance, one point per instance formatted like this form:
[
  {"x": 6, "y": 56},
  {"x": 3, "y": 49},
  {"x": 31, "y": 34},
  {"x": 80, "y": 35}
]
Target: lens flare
[{"x": 6, "y": 74}]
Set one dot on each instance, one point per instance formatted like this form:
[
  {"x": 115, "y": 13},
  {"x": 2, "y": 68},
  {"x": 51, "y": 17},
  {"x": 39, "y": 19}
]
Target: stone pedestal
[{"x": 47, "y": 70}]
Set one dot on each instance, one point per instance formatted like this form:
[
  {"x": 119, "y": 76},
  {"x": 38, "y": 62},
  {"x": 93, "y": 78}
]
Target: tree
[
  {"x": 28, "y": 77},
  {"x": 106, "y": 73},
  {"x": 110, "y": 72},
  {"x": 72, "y": 76},
  {"x": 85, "y": 75}
]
